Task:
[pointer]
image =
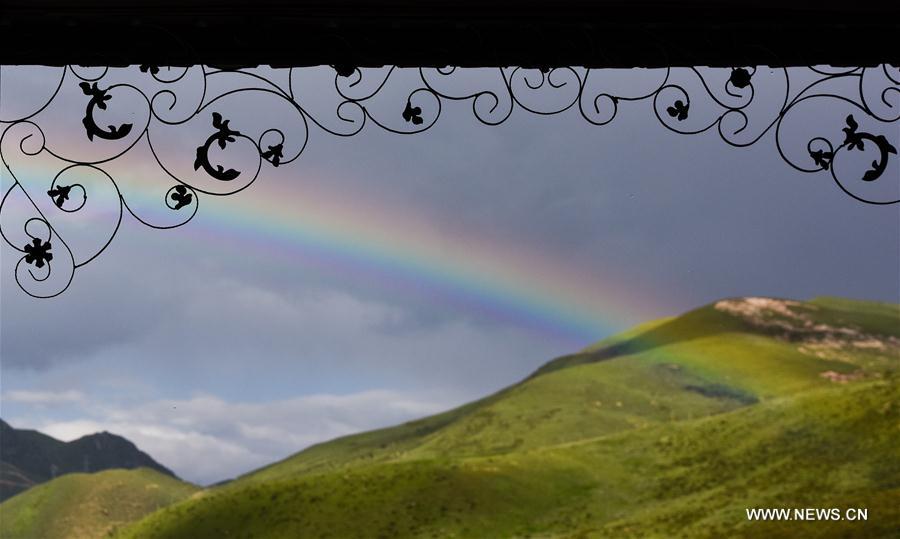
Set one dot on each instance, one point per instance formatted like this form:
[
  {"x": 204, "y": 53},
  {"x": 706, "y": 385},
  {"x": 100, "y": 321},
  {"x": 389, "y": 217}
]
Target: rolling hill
[
  {"x": 88, "y": 506},
  {"x": 28, "y": 457},
  {"x": 672, "y": 429}
]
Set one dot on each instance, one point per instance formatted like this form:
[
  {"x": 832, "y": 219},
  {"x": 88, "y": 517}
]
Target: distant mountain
[
  {"x": 88, "y": 506},
  {"x": 28, "y": 457},
  {"x": 671, "y": 429}
]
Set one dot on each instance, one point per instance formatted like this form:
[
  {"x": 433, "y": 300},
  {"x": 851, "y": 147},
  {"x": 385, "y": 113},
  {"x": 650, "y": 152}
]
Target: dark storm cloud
[
  {"x": 626, "y": 199},
  {"x": 92, "y": 318},
  {"x": 631, "y": 198}
]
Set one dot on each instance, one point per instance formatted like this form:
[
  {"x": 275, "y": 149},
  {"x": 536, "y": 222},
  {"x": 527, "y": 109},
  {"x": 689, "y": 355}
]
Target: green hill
[
  {"x": 690, "y": 479},
  {"x": 706, "y": 361},
  {"x": 670, "y": 430},
  {"x": 88, "y": 506},
  {"x": 29, "y": 457}
]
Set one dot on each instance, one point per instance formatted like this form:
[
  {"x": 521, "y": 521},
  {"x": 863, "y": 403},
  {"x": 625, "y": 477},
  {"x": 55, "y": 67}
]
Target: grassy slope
[
  {"x": 28, "y": 457},
  {"x": 87, "y": 506},
  {"x": 595, "y": 393},
  {"x": 828, "y": 447},
  {"x": 676, "y": 426}
]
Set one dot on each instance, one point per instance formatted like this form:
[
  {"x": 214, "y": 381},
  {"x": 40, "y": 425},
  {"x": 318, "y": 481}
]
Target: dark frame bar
[{"x": 599, "y": 33}]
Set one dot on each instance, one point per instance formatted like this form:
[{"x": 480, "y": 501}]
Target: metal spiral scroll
[{"x": 53, "y": 181}]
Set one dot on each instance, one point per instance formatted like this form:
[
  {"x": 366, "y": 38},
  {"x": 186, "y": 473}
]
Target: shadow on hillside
[{"x": 697, "y": 324}]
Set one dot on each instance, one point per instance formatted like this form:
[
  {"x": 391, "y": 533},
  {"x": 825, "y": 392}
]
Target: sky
[{"x": 380, "y": 278}]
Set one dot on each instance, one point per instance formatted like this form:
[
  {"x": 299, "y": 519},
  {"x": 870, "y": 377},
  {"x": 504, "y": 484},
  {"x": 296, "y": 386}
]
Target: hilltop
[
  {"x": 671, "y": 429},
  {"x": 29, "y": 457},
  {"x": 88, "y": 506}
]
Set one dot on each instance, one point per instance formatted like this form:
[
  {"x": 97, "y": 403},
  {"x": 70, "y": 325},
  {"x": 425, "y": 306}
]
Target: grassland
[
  {"x": 29, "y": 457},
  {"x": 670, "y": 430},
  {"x": 88, "y": 506}
]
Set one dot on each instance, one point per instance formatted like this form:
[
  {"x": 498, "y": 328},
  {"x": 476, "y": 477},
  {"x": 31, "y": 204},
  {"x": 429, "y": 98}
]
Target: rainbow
[{"x": 405, "y": 253}]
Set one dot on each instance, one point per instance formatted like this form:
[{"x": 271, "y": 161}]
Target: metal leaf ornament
[
  {"x": 855, "y": 140},
  {"x": 98, "y": 100},
  {"x": 412, "y": 114},
  {"x": 740, "y": 78},
  {"x": 679, "y": 110},
  {"x": 60, "y": 194},
  {"x": 38, "y": 253},
  {"x": 181, "y": 197},
  {"x": 222, "y": 136},
  {"x": 273, "y": 154}
]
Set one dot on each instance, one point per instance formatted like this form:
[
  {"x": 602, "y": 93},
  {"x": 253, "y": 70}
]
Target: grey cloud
[
  {"x": 43, "y": 398},
  {"x": 229, "y": 331},
  {"x": 205, "y": 439}
]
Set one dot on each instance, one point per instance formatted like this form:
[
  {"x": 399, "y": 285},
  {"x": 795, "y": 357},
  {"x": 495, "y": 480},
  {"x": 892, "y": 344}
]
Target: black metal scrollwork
[
  {"x": 60, "y": 194},
  {"x": 856, "y": 140},
  {"x": 866, "y": 101},
  {"x": 223, "y": 136},
  {"x": 98, "y": 99},
  {"x": 38, "y": 253},
  {"x": 679, "y": 110},
  {"x": 180, "y": 197}
]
